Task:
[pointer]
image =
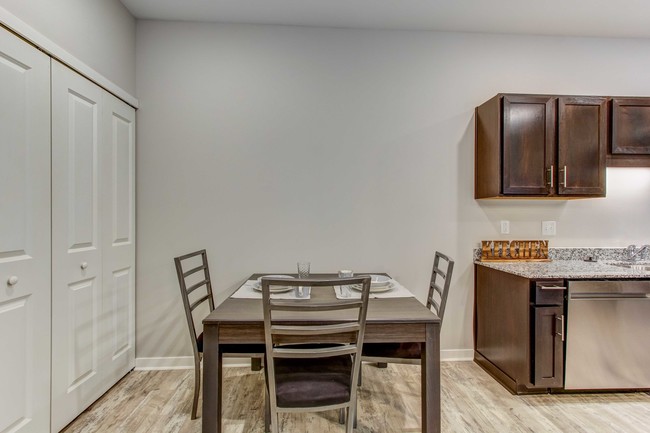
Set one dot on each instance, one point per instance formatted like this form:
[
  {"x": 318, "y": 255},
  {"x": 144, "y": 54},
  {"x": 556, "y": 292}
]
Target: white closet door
[
  {"x": 118, "y": 238},
  {"x": 76, "y": 245},
  {"x": 24, "y": 237}
]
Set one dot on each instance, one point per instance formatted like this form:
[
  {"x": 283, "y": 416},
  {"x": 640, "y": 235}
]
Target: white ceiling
[{"x": 608, "y": 18}]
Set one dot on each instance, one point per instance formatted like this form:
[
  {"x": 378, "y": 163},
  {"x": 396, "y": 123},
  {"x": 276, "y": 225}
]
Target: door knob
[
  {"x": 84, "y": 265},
  {"x": 13, "y": 280}
]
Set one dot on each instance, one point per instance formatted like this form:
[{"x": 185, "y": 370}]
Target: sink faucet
[{"x": 633, "y": 253}]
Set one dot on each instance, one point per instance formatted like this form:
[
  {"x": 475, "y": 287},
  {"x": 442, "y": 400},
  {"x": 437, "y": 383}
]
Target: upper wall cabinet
[
  {"x": 630, "y": 126},
  {"x": 541, "y": 146},
  {"x": 630, "y": 145}
]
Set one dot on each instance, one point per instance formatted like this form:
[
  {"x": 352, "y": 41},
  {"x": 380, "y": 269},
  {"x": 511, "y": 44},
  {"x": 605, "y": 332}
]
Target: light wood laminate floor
[{"x": 389, "y": 401}]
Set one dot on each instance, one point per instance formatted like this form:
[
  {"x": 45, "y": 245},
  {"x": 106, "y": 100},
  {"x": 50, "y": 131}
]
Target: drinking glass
[
  {"x": 303, "y": 269},
  {"x": 345, "y": 290},
  {"x": 303, "y": 272},
  {"x": 346, "y": 274}
]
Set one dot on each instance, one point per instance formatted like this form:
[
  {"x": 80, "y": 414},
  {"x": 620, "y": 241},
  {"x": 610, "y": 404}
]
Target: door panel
[
  {"x": 528, "y": 144},
  {"x": 548, "y": 347},
  {"x": 582, "y": 144},
  {"x": 82, "y": 333},
  {"x": 24, "y": 237},
  {"x": 118, "y": 195},
  {"x": 76, "y": 249}
]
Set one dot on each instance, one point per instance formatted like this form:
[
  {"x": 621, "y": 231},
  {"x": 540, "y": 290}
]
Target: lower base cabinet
[{"x": 519, "y": 330}]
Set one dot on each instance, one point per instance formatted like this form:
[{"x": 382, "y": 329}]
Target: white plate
[
  {"x": 384, "y": 288},
  {"x": 274, "y": 289}
]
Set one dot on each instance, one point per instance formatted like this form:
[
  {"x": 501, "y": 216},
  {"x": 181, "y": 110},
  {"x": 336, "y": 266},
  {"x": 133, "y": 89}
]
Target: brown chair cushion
[
  {"x": 392, "y": 350},
  {"x": 312, "y": 382}
]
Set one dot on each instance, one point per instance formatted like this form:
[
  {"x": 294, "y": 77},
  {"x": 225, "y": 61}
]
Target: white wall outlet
[
  {"x": 505, "y": 227},
  {"x": 548, "y": 228}
]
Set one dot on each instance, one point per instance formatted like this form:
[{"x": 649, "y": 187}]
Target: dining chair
[
  {"x": 193, "y": 274},
  {"x": 410, "y": 353},
  {"x": 313, "y": 366}
]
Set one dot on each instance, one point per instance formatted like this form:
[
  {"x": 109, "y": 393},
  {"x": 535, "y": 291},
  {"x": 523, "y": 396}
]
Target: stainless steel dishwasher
[{"x": 608, "y": 335}]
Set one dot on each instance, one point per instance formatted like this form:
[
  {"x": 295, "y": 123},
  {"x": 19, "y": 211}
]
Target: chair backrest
[
  {"x": 192, "y": 275},
  {"x": 440, "y": 281},
  {"x": 298, "y": 334}
]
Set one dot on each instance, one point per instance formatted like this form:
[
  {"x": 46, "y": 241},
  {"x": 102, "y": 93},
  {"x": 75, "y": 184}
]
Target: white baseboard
[
  {"x": 187, "y": 362},
  {"x": 165, "y": 363},
  {"x": 456, "y": 355}
]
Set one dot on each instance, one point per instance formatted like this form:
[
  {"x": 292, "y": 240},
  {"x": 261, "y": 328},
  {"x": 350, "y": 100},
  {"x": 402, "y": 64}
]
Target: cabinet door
[
  {"x": 24, "y": 237},
  {"x": 528, "y": 144},
  {"x": 76, "y": 245},
  {"x": 631, "y": 126},
  {"x": 118, "y": 238},
  {"x": 582, "y": 147},
  {"x": 548, "y": 347}
]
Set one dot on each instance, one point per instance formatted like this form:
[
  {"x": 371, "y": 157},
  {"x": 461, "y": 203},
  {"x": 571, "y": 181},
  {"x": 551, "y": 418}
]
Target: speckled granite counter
[
  {"x": 568, "y": 269},
  {"x": 570, "y": 263}
]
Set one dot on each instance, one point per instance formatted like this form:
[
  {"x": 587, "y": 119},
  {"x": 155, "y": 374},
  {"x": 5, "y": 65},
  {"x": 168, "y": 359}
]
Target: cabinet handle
[
  {"x": 563, "y": 170},
  {"x": 550, "y": 176},
  {"x": 84, "y": 265},
  {"x": 552, "y": 287},
  {"x": 561, "y": 319},
  {"x": 12, "y": 281}
]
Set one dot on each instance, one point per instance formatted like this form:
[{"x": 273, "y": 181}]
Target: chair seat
[
  {"x": 392, "y": 350},
  {"x": 313, "y": 382},
  {"x": 233, "y": 348}
]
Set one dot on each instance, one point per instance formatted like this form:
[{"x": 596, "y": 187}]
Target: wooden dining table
[{"x": 240, "y": 321}]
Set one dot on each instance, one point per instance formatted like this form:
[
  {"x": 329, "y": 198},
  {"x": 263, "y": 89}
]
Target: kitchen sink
[{"x": 643, "y": 267}]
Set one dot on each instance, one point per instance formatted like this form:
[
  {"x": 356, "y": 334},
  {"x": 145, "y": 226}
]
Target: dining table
[{"x": 239, "y": 320}]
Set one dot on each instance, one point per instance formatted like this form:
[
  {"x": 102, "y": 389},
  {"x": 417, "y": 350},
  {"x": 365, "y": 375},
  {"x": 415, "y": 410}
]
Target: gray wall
[
  {"x": 350, "y": 148},
  {"x": 100, "y": 33}
]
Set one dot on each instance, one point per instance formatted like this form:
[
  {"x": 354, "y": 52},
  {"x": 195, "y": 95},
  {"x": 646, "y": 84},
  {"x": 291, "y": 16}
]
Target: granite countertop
[{"x": 579, "y": 269}]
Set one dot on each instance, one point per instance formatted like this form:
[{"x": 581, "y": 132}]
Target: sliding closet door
[
  {"x": 118, "y": 237},
  {"x": 76, "y": 245},
  {"x": 24, "y": 237}
]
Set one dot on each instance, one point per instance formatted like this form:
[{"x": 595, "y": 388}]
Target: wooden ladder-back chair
[
  {"x": 196, "y": 290},
  {"x": 410, "y": 353},
  {"x": 313, "y": 366}
]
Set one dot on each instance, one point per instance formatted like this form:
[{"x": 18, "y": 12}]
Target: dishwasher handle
[{"x": 609, "y": 296}]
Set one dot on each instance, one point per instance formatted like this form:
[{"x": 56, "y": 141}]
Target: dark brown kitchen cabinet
[
  {"x": 630, "y": 137},
  {"x": 548, "y": 347},
  {"x": 630, "y": 126},
  {"x": 519, "y": 329},
  {"x": 540, "y": 146}
]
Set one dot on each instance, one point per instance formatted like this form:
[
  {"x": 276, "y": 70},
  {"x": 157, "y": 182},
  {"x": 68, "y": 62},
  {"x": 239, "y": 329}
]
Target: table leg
[
  {"x": 431, "y": 380},
  {"x": 212, "y": 378}
]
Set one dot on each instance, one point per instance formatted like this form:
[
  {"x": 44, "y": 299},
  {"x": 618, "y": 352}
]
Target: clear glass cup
[
  {"x": 346, "y": 274},
  {"x": 303, "y": 272},
  {"x": 345, "y": 290}
]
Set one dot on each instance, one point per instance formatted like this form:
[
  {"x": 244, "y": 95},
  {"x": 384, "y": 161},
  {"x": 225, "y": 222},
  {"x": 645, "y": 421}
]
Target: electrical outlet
[
  {"x": 505, "y": 227},
  {"x": 548, "y": 228}
]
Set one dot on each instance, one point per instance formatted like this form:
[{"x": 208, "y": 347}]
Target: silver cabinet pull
[
  {"x": 552, "y": 287},
  {"x": 563, "y": 170},
  {"x": 12, "y": 281},
  {"x": 550, "y": 176},
  {"x": 84, "y": 265},
  {"x": 561, "y": 319}
]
